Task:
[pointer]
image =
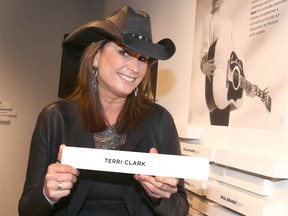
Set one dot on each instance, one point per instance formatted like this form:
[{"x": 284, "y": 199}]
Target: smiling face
[{"x": 120, "y": 70}]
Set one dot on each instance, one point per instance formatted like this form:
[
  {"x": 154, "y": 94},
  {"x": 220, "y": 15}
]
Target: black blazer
[{"x": 60, "y": 123}]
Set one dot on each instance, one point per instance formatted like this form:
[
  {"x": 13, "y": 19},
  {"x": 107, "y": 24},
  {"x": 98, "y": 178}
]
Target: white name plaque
[{"x": 178, "y": 166}]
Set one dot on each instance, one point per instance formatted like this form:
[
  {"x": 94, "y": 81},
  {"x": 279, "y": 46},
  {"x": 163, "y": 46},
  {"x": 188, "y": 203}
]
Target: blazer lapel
[
  {"x": 134, "y": 138},
  {"x": 79, "y": 195},
  {"x": 78, "y": 137}
]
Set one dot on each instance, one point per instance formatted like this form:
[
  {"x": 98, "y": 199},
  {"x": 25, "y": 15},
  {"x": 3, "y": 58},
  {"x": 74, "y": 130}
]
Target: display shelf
[
  {"x": 208, "y": 207},
  {"x": 200, "y": 204},
  {"x": 218, "y": 210},
  {"x": 244, "y": 202},
  {"x": 197, "y": 150},
  {"x": 243, "y": 180},
  {"x": 197, "y": 186},
  {"x": 192, "y": 133},
  {"x": 271, "y": 167},
  {"x": 194, "y": 212}
]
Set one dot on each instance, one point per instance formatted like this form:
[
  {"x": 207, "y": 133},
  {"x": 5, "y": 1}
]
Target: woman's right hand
[{"x": 59, "y": 179}]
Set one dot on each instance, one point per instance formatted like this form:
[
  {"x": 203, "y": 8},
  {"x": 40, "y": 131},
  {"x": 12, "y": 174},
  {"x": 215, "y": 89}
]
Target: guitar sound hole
[{"x": 236, "y": 77}]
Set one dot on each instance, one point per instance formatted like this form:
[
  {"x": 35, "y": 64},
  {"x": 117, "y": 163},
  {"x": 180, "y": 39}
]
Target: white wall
[{"x": 30, "y": 53}]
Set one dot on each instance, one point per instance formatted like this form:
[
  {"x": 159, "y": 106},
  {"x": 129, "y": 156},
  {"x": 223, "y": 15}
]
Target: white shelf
[
  {"x": 208, "y": 207},
  {"x": 244, "y": 202},
  {"x": 242, "y": 180},
  {"x": 273, "y": 167},
  {"x": 218, "y": 210},
  {"x": 197, "y": 186},
  {"x": 196, "y": 150},
  {"x": 189, "y": 132},
  {"x": 194, "y": 212},
  {"x": 200, "y": 204}
]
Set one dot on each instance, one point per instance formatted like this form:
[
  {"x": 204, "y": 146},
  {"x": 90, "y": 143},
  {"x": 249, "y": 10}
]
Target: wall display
[
  {"x": 274, "y": 167},
  {"x": 201, "y": 206},
  {"x": 197, "y": 150},
  {"x": 247, "y": 41},
  {"x": 263, "y": 186},
  {"x": 242, "y": 202},
  {"x": 6, "y": 111}
]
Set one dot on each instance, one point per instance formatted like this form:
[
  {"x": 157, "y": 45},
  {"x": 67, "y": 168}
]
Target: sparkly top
[{"x": 109, "y": 139}]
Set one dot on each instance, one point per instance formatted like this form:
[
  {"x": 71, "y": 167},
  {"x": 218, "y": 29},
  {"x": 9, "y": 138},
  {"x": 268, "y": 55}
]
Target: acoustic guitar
[{"x": 225, "y": 88}]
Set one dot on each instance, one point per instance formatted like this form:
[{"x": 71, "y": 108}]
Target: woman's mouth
[{"x": 126, "y": 78}]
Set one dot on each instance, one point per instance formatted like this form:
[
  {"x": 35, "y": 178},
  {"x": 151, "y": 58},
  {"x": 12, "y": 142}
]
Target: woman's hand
[
  {"x": 158, "y": 187},
  {"x": 59, "y": 179}
]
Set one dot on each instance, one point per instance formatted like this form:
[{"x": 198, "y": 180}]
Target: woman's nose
[{"x": 133, "y": 65}]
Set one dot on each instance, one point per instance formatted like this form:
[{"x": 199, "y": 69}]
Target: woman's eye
[
  {"x": 142, "y": 58},
  {"x": 123, "y": 53}
]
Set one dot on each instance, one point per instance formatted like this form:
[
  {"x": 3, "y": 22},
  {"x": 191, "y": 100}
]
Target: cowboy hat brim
[{"x": 75, "y": 43}]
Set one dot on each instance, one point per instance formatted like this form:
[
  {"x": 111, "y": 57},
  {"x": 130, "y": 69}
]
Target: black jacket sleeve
[{"x": 42, "y": 153}]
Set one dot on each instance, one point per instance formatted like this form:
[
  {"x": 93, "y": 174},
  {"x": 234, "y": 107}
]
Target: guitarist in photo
[{"x": 225, "y": 80}]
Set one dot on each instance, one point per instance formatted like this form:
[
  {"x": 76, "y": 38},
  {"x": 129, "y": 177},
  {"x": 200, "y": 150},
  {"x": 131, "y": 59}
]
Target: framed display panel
[
  {"x": 246, "y": 42},
  {"x": 254, "y": 63}
]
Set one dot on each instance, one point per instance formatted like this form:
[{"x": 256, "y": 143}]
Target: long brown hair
[{"x": 134, "y": 109}]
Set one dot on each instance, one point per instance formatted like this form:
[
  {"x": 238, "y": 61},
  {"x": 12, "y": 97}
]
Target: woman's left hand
[{"x": 158, "y": 187}]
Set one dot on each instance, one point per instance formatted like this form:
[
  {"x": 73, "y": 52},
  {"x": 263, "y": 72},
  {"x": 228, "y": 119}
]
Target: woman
[{"x": 109, "y": 110}]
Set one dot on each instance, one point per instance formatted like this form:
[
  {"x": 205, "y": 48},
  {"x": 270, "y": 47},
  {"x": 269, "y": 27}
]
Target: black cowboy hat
[{"x": 129, "y": 27}]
